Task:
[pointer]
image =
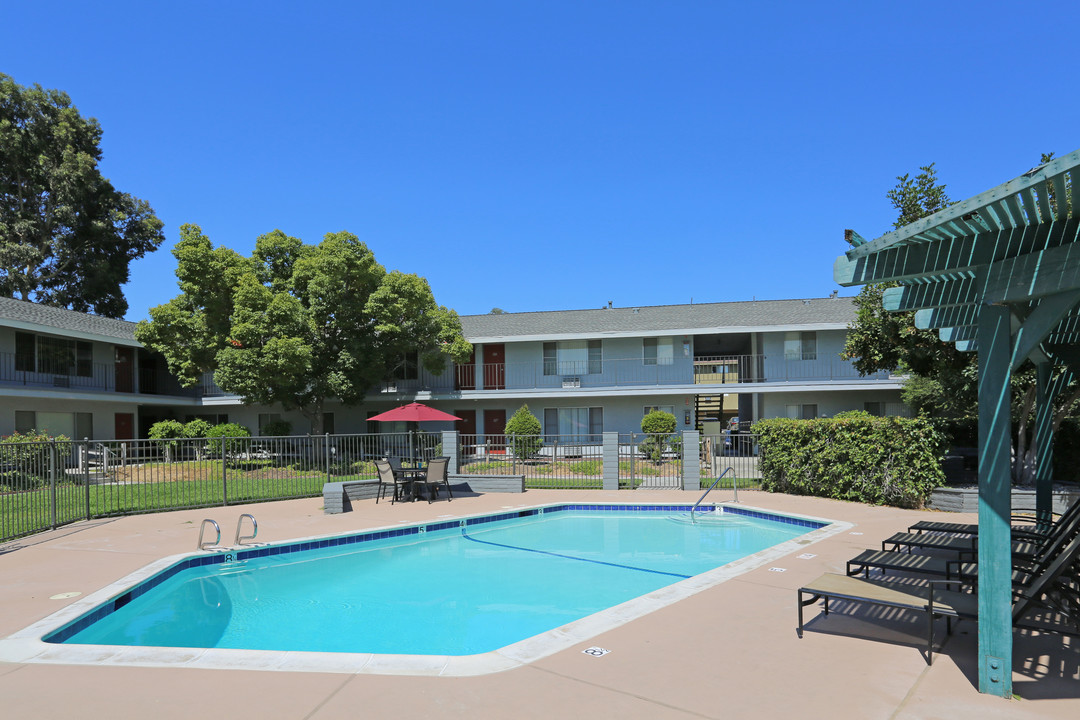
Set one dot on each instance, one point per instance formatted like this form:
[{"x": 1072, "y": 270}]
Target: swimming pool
[{"x": 463, "y": 596}]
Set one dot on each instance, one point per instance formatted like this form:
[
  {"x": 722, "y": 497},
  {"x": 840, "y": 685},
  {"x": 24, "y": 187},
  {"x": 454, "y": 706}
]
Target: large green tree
[
  {"x": 67, "y": 236},
  {"x": 942, "y": 381},
  {"x": 297, "y": 324}
]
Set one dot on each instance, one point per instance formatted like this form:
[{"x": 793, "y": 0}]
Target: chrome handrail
[
  {"x": 734, "y": 482},
  {"x": 254, "y": 528},
  {"x": 202, "y": 528}
]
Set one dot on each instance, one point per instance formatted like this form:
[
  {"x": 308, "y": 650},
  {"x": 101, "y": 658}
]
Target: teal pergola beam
[
  {"x": 929, "y": 295},
  {"x": 995, "y": 501},
  {"x": 1049, "y": 314}
]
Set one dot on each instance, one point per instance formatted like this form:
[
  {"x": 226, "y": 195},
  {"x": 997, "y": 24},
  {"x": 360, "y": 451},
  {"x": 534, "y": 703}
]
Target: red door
[
  {"x": 465, "y": 379},
  {"x": 125, "y": 361},
  {"x": 466, "y": 428},
  {"x": 125, "y": 426},
  {"x": 494, "y": 368},
  {"x": 494, "y": 429}
]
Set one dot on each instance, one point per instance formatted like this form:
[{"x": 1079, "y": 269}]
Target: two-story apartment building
[{"x": 581, "y": 372}]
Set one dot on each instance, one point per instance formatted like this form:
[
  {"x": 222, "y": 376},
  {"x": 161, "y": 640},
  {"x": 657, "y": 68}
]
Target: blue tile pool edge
[{"x": 70, "y": 620}]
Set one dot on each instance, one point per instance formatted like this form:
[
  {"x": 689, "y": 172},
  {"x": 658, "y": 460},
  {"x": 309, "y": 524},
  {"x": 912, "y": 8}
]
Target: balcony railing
[
  {"x": 708, "y": 370},
  {"x": 728, "y": 369},
  {"x": 102, "y": 377}
]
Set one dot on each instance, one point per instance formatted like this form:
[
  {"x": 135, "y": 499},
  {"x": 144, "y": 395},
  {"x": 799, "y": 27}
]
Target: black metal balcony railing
[{"x": 618, "y": 372}]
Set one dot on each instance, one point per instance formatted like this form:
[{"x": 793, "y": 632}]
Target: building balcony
[{"x": 630, "y": 372}]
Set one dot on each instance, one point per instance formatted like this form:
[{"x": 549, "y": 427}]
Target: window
[
  {"x": 74, "y": 426},
  {"x": 802, "y": 412},
  {"x": 267, "y": 418},
  {"x": 575, "y": 424},
  {"x": 876, "y": 409},
  {"x": 657, "y": 351},
  {"x": 662, "y": 408},
  {"x": 800, "y": 346},
  {"x": 409, "y": 367},
  {"x": 573, "y": 357},
  {"x": 212, "y": 418},
  {"x": 58, "y": 356}
]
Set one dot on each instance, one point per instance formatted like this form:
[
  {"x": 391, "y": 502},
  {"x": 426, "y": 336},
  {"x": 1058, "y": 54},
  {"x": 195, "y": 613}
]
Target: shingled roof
[
  {"x": 753, "y": 315},
  {"x": 57, "y": 321}
]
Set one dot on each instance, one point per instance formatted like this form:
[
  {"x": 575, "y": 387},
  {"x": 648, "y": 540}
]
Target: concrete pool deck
[{"x": 728, "y": 651}]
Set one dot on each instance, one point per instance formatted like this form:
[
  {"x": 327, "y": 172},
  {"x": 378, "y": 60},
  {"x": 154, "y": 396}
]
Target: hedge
[{"x": 881, "y": 461}]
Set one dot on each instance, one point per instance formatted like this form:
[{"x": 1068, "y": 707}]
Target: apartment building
[{"x": 581, "y": 372}]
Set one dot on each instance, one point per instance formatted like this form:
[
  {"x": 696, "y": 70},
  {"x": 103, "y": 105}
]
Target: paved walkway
[{"x": 727, "y": 652}]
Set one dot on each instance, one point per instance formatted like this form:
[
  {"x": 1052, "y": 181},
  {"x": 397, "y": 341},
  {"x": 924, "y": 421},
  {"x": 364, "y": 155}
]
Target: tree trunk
[{"x": 1023, "y": 470}]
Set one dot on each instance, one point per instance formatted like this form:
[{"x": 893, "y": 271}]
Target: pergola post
[
  {"x": 995, "y": 502},
  {"x": 1046, "y": 389}
]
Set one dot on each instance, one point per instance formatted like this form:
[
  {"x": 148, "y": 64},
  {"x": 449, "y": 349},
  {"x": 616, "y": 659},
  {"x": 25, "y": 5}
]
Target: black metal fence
[{"x": 44, "y": 485}]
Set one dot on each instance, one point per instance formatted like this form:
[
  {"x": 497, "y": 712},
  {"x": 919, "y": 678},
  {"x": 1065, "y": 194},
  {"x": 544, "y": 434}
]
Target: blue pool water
[{"x": 450, "y": 588}]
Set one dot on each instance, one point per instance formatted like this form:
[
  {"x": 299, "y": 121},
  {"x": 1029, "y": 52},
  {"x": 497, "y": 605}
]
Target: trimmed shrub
[
  {"x": 24, "y": 458},
  {"x": 196, "y": 428},
  {"x": 168, "y": 434},
  {"x": 218, "y": 445},
  {"x": 875, "y": 460},
  {"x": 523, "y": 433},
  {"x": 276, "y": 428},
  {"x": 659, "y": 426}
]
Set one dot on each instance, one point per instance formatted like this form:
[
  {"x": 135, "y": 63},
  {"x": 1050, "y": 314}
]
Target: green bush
[
  {"x": 659, "y": 426},
  {"x": 196, "y": 428},
  {"x": 876, "y": 460},
  {"x": 276, "y": 428},
  {"x": 218, "y": 445},
  {"x": 523, "y": 433},
  {"x": 24, "y": 458},
  {"x": 167, "y": 433}
]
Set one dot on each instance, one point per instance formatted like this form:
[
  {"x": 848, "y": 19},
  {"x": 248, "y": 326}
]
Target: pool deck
[{"x": 729, "y": 651}]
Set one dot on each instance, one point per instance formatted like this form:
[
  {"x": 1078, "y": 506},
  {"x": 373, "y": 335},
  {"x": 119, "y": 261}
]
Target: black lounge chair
[
  {"x": 1024, "y": 566},
  {"x": 1026, "y": 530},
  {"x": 960, "y": 545},
  {"x": 1051, "y": 591}
]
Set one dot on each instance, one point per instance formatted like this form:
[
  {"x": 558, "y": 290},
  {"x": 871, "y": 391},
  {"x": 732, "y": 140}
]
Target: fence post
[
  {"x": 610, "y": 461},
  {"x": 451, "y": 444},
  {"x": 224, "y": 472},
  {"x": 86, "y": 472},
  {"x": 513, "y": 460},
  {"x": 691, "y": 460},
  {"x": 326, "y": 449},
  {"x": 52, "y": 483}
]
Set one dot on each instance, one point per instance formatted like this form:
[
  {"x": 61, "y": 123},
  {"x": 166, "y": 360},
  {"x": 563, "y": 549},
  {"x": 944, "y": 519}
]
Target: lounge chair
[
  {"x": 438, "y": 474},
  {"x": 961, "y": 545},
  {"x": 1024, "y": 565},
  {"x": 1027, "y": 529},
  {"x": 1052, "y": 590}
]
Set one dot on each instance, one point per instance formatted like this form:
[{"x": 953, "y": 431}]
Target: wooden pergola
[{"x": 997, "y": 274}]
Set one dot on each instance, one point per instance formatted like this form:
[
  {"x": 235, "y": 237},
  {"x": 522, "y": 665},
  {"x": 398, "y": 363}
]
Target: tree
[
  {"x": 523, "y": 429},
  {"x": 67, "y": 236},
  {"x": 297, "y": 324},
  {"x": 659, "y": 426},
  {"x": 942, "y": 381}
]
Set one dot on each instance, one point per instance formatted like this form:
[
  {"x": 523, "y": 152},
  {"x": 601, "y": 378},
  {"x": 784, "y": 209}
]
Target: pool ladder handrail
[
  {"x": 254, "y": 528},
  {"x": 202, "y": 529},
  {"x": 734, "y": 484}
]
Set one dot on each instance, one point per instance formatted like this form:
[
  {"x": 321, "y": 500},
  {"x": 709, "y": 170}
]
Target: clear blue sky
[{"x": 555, "y": 154}]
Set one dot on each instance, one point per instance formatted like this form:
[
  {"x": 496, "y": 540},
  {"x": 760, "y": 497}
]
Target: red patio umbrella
[{"x": 414, "y": 412}]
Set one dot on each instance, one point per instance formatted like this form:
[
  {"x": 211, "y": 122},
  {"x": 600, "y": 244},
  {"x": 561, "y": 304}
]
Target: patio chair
[
  {"x": 386, "y": 477},
  {"x": 437, "y": 474},
  {"x": 1053, "y": 590}
]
